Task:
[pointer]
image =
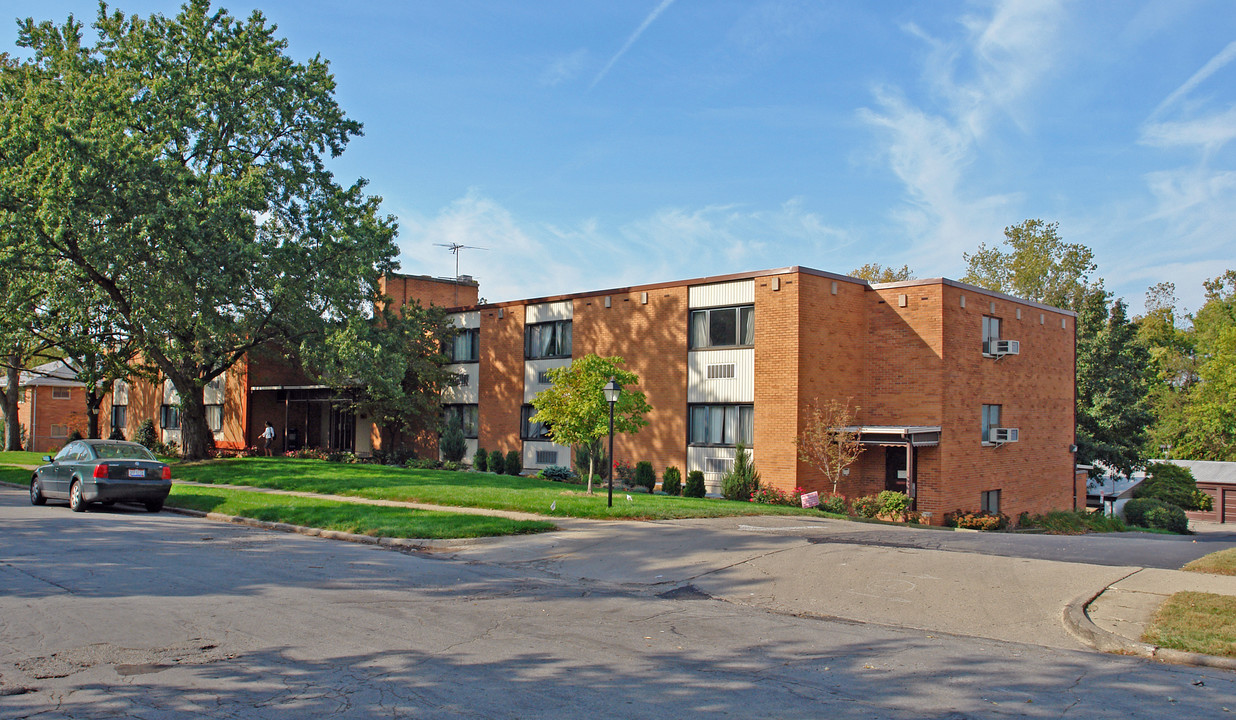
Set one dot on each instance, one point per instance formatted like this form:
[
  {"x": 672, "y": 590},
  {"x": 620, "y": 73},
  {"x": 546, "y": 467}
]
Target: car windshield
[{"x": 122, "y": 452}]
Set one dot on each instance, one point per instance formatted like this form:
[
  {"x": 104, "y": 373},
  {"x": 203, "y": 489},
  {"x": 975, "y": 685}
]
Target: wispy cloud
[
  {"x": 527, "y": 259},
  {"x": 652, "y": 16},
  {"x": 563, "y": 68},
  {"x": 1216, "y": 63},
  {"x": 989, "y": 74}
]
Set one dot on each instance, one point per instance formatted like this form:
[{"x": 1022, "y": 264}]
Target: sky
[{"x": 588, "y": 144}]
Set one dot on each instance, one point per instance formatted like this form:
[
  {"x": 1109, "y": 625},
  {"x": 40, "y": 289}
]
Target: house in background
[{"x": 52, "y": 405}]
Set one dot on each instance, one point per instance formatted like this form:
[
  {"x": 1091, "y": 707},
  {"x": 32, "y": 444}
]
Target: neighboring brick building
[
  {"x": 948, "y": 412},
  {"x": 52, "y": 405}
]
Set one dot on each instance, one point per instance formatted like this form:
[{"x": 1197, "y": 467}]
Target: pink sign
[{"x": 811, "y": 499}]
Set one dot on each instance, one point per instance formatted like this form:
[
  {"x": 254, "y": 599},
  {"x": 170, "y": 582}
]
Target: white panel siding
[
  {"x": 532, "y": 446},
  {"x": 739, "y": 292},
  {"x": 470, "y": 319},
  {"x": 738, "y": 389},
  {"x": 697, "y": 459},
  {"x": 544, "y": 312},
  {"x": 467, "y": 393},
  {"x": 364, "y": 438},
  {"x": 532, "y": 371}
]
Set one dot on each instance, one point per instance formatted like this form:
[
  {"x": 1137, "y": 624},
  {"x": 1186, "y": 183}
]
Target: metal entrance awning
[{"x": 913, "y": 435}]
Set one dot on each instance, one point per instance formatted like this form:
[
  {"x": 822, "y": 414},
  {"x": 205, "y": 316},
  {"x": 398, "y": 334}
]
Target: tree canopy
[
  {"x": 1037, "y": 265},
  {"x": 877, "y": 273},
  {"x": 574, "y": 405},
  {"x": 178, "y": 165}
]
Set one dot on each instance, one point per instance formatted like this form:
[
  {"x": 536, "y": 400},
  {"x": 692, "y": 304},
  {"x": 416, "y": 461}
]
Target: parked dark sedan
[{"x": 104, "y": 471}]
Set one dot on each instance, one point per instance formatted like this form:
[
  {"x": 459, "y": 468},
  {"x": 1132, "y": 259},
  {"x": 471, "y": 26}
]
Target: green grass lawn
[
  {"x": 1195, "y": 622},
  {"x": 1222, "y": 562},
  {"x": 373, "y": 520},
  {"x": 462, "y": 489},
  {"x": 22, "y": 458}
]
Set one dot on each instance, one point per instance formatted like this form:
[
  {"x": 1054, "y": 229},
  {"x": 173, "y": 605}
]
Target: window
[
  {"x": 169, "y": 417},
  {"x": 59, "y": 431},
  {"x": 529, "y": 430},
  {"x": 991, "y": 332},
  {"x": 990, "y": 502},
  {"x": 548, "y": 340},
  {"x": 466, "y": 415},
  {"x": 724, "y": 425},
  {"x": 991, "y": 419},
  {"x": 214, "y": 417},
  {"x": 60, "y": 393},
  {"x": 464, "y": 347},
  {"x": 723, "y": 327}
]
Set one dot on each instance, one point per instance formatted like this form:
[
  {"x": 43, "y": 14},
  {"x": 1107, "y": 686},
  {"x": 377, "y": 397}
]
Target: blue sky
[{"x": 590, "y": 144}]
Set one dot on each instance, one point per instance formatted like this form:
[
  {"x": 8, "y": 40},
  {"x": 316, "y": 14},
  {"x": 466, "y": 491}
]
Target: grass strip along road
[
  {"x": 464, "y": 489},
  {"x": 373, "y": 520}
]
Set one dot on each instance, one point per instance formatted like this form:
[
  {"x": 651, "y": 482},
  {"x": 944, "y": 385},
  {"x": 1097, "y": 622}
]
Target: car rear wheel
[
  {"x": 77, "y": 503},
  {"x": 36, "y": 493},
  {"x": 154, "y": 506}
]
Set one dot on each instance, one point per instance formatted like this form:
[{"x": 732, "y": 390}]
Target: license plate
[{"x": 137, "y": 473}]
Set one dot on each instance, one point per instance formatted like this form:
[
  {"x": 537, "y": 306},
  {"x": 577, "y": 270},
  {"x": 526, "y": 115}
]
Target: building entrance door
[{"x": 895, "y": 469}]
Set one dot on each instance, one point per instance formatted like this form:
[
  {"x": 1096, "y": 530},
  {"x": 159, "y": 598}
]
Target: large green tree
[
  {"x": 1035, "y": 264},
  {"x": 574, "y": 405},
  {"x": 179, "y": 165},
  {"x": 877, "y": 273}
]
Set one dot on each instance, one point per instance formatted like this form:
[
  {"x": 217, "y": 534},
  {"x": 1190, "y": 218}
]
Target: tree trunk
[
  {"x": 93, "y": 401},
  {"x": 592, "y": 459},
  {"x": 12, "y": 425},
  {"x": 195, "y": 437}
]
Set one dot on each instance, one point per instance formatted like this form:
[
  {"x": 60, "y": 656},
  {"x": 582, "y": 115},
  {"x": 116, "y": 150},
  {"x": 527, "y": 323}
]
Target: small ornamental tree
[
  {"x": 742, "y": 480},
  {"x": 575, "y": 409},
  {"x": 671, "y": 481},
  {"x": 480, "y": 461},
  {"x": 645, "y": 476},
  {"x": 453, "y": 444},
  {"x": 825, "y": 441},
  {"x": 695, "y": 485},
  {"x": 514, "y": 463},
  {"x": 497, "y": 463}
]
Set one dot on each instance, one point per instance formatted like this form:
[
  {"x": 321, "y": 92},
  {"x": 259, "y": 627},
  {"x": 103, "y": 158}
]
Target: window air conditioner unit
[
  {"x": 1003, "y": 435},
  {"x": 1005, "y": 347}
]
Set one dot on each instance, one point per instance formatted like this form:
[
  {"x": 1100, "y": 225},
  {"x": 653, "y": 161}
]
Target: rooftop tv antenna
[{"x": 455, "y": 248}]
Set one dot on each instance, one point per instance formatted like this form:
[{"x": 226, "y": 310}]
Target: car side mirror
[{"x": 47, "y": 458}]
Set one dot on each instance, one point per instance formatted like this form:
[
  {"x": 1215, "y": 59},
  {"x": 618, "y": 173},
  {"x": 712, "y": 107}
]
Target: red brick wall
[
  {"x": 403, "y": 289},
  {"x": 1035, "y": 390},
  {"x": 652, "y": 338},
  {"x": 501, "y": 378},
  {"x": 49, "y": 411}
]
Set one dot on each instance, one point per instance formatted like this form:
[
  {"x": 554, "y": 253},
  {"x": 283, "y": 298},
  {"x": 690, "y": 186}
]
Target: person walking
[{"x": 268, "y": 437}]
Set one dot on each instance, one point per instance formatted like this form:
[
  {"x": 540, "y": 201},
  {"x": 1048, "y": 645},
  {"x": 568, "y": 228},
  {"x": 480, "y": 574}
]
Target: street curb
[
  {"x": 1079, "y": 624},
  {"x": 397, "y": 543}
]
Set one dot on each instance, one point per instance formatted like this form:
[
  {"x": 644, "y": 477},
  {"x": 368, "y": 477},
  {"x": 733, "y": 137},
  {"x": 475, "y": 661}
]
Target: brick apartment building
[{"x": 965, "y": 396}]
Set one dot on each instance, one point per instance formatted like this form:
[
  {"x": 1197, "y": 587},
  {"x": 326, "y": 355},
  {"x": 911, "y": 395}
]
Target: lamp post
[{"x": 612, "y": 390}]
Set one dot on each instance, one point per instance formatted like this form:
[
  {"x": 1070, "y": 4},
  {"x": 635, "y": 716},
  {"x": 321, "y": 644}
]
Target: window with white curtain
[
  {"x": 723, "y": 327},
  {"x": 721, "y": 425}
]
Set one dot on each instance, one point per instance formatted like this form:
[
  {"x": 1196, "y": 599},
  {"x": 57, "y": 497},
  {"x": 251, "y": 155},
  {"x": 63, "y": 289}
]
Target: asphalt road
[{"x": 126, "y": 614}]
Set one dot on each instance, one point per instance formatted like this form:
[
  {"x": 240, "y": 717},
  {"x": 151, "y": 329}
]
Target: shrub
[
  {"x": 480, "y": 461},
  {"x": 976, "y": 520},
  {"x": 146, "y": 435},
  {"x": 514, "y": 463},
  {"x": 341, "y": 456},
  {"x": 645, "y": 476},
  {"x": 867, "y": 506},
  {"x": 893, "y": 504},
  {"x": 671, "y": 481},
  {"x": 1156, "y": 514},
  {"x": 775, "y": 496},
  {"x": 624, "y": 472},
  {"x": 1173, "y": 485},
  {"x": 594, "y": 452},
  {"x": 74, "y": 436},
  {"x": 695, "y": 485},
  {"x": 557, "y": 473},
  {"x": 497, "y": 463},
  {"x": 833, "y": 504},
  {"x": 422, "y": 464},
  {"x": 453, "y": 465},
  {"x": 742, "y": 480},
  {"x": 1071, "y": 522},
  {"x": 453, "y": 444}
]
